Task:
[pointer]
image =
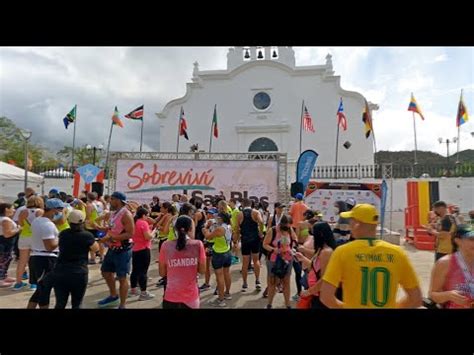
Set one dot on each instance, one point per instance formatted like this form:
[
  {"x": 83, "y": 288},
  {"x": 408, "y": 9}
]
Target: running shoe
[
  {"x": 258, "y": 285},
  {"x": 217, "y": 303},
  {"x": 245, "y": 287},
  {"x": 33, "y": 287},
  {"x": 146, "y": 296},
  {"x": 133, "y": 292},
  {"x": 204, "y": 287},
  {"x": 295, "y": 298},
  {"x": 268, "y": 306},
  {"x": 109, "y": 301},
  {"x": 25, "y": 276},
  {"x": 160, "y": 283},
  {"x": 19, "y": 286},
  {"x": 227, "y": 296}
]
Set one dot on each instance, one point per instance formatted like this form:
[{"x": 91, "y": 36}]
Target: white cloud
[{"x": 441, "y": 58}]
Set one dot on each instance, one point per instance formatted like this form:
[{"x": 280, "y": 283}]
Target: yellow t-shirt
[{"x": 370, "y": 271}]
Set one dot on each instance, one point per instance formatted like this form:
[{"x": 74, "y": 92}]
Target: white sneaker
[
  {"x": 146, "y": 296},
  {"x": 227, "y": 296},
  {"x": 217, "y": 303}
]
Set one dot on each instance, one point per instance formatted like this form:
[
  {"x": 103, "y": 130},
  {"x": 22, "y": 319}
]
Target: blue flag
[{"x": 305, "y": 166}]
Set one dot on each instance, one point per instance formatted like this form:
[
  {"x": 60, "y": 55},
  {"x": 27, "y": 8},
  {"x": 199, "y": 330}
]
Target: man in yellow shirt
[{"x": 370, "y": 270}]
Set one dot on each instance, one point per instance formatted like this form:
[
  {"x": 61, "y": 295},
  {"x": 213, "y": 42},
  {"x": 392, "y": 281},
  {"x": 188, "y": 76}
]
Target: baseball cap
[
  {"x": 54, "y": 191},
  {"x": 76, "y": 217},
  {"x": 363, "y": 212},
  {"x": 351, "y": 201},
  {"x": 119, "y": 196},
  {"x": 279, "y": 205},
  {"x": 54, "y": 204},
  {"x": 299, "y": 196},
  {"x": 212, "y": 211},
  {"x": 465, "y": 231}
]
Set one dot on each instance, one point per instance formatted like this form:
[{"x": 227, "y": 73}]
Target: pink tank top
[
  {"x": 315, "y": 267},
  {"x": 284, "y": 248},
  {"x": 456, "y": 280},
  {"x": 117, "y": 225}
]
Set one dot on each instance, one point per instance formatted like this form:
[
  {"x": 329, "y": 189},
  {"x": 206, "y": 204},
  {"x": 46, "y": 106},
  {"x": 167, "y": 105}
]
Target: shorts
[
  {"x": 250, "y": 247},
  {"x": 117, "y": 262},
  {"x": 221, "y": 260},
  {"x": 24, "y": 243}
]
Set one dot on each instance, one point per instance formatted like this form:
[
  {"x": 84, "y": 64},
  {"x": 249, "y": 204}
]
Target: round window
[{"x": 261, "y": 101}]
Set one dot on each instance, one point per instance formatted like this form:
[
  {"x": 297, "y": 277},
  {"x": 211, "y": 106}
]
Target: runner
[
  {"x": 279, "y": 242},
  {"x": 208, "y": 244},
  {"x": 444, "y": 231},
  {"x": 44, "y": 252},
  {"x": 155, "y": 206},
  {"x": 8, "y": 232},
  {"x": 341, "y": 229},
  {"x": 370, "y": 270},
  {"x": 324, "y": 245},
  {"x": 71, "y": 272},
  {"x": 221, "y": 233},
  {"x": 249, "y": 228},
  {"x": 234, "y": 211},
  {"x": 167, "y": 232},
  {"x": 452, "y": 278},
  {"x": 117, "y": 259},
  {"x": 188, "y": 209},
  {"x": 34, "y": 209},
  {"x": 141, "y": 255},
  {"x": 302, "y": 233},
  {"x": 93, "y": 210},
  {"x": 297, "y": 210},
  {"x": 180, "y": 262}
]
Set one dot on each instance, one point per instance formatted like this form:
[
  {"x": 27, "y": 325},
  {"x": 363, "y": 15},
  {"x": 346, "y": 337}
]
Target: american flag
[
  {"x": 307, "y": 121},
  {"x": 341, "y": 117}
]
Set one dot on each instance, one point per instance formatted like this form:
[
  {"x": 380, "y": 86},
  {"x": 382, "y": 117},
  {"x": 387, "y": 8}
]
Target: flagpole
[
  {"x": 107, "y": 158},
  {"x": 301, "y": 125},
  {"x": 179, "y": 129},
  {"x": 414, "y": 130},
  {"x": 212, "y": 126},
  {"x": 459, "y": 129},
  {"x": 337, "y": 146},
  {"x": 74, "y": 141},
  {"x": 141, "y": 136},
  {"x": 373, "y": 134}
]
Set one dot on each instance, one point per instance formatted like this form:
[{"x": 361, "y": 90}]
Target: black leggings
[
  {"x": 41, "y": 267},
  {"x": 298, "y": 269},
  {"x": 140, "y": 263},
  {"x": 68, "y": 283},
  {"x": 174, "y": 305},
  {"x": 6, "y": 247}
]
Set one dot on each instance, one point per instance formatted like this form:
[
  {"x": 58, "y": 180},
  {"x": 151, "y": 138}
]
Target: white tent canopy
[
  {"x": 13, "y": 173},
  {"x": 57, "y": 173}
]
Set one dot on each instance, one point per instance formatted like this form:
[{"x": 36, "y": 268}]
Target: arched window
[{"x": 263, "y": 145}]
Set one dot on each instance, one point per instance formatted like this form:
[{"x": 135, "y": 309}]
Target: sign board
[
  {"x": 140, "y": 180},
  {"x": 322, "y": 195}
]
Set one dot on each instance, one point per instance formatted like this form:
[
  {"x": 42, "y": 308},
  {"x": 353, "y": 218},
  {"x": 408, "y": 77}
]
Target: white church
[{"x": 259, "y": 104}]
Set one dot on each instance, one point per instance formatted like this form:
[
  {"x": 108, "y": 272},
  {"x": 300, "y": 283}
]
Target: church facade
[{"x": 259, "y": 107}]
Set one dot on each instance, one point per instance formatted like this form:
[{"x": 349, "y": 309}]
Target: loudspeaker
[
  {"x": 347, "y": 144},
  {"x": 98, "y": 187},
  {"x": 296, "y": 187}
]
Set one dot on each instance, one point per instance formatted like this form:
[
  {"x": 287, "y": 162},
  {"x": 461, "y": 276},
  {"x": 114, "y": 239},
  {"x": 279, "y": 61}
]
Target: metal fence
[
  {"x": 398, "y": 171},
  {"x": 329, "y": 171}
]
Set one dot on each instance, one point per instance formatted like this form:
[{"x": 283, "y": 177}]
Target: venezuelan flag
[
  {"x": 413, "y": 106},
  {"x": 462, "y": 116}
]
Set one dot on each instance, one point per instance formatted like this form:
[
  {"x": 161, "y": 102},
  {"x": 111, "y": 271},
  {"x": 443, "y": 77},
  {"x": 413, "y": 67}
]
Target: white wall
[{"x": 287, "y": 88}]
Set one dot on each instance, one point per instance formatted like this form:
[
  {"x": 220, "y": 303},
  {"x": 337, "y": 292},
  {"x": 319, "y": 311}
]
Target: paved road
[{"x": 97, "y": 289}]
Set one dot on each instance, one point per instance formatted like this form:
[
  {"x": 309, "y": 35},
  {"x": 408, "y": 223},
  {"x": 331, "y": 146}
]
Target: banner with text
[{"x": 140, "y": 180}]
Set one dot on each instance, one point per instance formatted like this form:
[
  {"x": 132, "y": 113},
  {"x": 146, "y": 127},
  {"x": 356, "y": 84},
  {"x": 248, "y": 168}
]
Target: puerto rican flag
[{"x": 85, "y": 176}]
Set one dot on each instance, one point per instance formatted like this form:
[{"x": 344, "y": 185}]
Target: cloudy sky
[{"x": 39, "y": 85}]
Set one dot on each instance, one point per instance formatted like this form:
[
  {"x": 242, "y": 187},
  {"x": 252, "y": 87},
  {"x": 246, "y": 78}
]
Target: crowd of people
[{"x": 339, "y": 265}]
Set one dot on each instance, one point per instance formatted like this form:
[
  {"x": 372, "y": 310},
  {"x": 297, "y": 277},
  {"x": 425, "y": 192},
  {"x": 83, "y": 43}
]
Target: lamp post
[
  {"x": 99, "y": 147},
  {"x": 447, "y": 141},
  {"x": 26, "y": 134}
]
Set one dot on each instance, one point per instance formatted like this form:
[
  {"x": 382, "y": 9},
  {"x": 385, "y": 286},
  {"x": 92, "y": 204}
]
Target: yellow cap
[{"x": 364, "y": 213}]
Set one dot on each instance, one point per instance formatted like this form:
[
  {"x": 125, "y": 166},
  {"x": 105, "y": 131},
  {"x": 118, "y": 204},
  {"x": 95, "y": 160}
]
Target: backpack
[{"x": 281, "y": 267}]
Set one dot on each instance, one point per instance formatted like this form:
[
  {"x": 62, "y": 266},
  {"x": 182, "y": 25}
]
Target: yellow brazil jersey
[{"x": 370, "y": 271}]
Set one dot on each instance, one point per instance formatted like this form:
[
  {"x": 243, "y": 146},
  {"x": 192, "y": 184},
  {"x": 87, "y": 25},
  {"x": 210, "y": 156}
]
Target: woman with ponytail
[
  {"x": 181, "y": 259},
  {"x": 141, "y": 255}
]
